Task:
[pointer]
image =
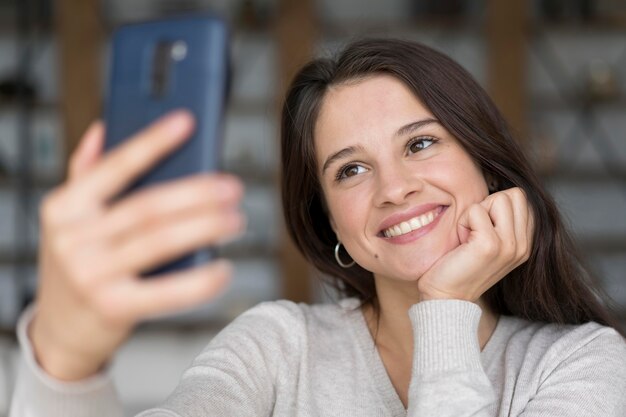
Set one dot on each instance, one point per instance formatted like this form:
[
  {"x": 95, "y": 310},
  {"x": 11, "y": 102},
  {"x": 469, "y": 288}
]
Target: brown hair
[{"x": 552, "y": 286}]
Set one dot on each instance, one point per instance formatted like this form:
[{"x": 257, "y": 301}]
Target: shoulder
[
  {"x": 284, "y": 321},
  {"x": 563, "y": 340},
  {"x": 563, "y": 367},
  {"x": 291, "y": 313},
  {"x": 568, "y": 351}
]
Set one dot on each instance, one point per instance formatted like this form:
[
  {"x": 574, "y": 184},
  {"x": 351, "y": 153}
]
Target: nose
[{"x": 396, "y": 183}]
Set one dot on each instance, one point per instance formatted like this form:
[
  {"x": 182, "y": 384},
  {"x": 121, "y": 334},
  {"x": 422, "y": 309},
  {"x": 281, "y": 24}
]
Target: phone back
[{"x": 158, "y": 66}]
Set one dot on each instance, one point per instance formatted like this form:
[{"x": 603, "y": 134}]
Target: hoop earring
[{"x": 338, "y": 259}]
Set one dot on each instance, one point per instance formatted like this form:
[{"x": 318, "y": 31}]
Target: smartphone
[{"x": 162, "y": 65}]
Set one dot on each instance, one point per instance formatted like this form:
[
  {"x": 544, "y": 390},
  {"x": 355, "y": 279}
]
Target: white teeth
[{"x": 412, "y": 224}]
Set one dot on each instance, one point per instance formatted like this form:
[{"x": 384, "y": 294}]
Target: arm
[
  {"x": 448, "y": 379},
  {"x": 234, "y": 376},
  {"x": 591, "y": 381},
  {"x": 38, "y": 394},
  {"x": 93, "y": 249}
]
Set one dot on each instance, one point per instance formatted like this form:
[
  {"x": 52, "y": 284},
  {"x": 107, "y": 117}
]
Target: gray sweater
[{"x": 286, "y": 359}]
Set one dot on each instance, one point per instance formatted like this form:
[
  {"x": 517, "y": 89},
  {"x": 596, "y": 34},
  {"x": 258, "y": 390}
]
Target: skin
[
  {"x": 92, "y": 251},
  {"x": 475, "y": 242}
]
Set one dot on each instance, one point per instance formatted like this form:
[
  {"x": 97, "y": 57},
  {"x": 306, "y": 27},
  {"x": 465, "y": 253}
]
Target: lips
[
  {"x": 413, "y": 224},
  {"x": 418, "y": 217}
]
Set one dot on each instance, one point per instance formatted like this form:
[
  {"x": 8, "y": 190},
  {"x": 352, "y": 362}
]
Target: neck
[{"x": 393, "y": 330}]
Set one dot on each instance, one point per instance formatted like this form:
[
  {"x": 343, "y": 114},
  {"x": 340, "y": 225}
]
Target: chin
[
  {"x": 408, "y": 272},
  {"x": 413, "y": 269}
]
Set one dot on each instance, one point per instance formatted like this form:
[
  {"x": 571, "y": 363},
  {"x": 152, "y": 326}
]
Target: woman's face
[{"x": 395, "y": 181}]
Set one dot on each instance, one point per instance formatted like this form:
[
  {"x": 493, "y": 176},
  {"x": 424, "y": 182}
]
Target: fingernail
[
  {"x": 228, "y": 187},
  {"x": 178, "y": 122}
]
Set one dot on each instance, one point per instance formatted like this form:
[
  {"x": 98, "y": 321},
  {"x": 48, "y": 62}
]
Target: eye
[
  {"x": 417, "y": 144},
  {"x": 349, "y": 170}
]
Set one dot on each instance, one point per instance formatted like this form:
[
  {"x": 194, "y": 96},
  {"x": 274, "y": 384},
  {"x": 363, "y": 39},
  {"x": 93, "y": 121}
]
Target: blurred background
[{"x": 557, "y": 69}]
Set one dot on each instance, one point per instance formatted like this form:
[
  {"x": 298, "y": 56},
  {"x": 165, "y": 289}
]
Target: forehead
[{"x": 365, "y": 109}]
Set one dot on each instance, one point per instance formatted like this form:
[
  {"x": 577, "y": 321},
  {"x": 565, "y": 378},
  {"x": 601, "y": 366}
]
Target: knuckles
[{"x": 517, "y": 193}]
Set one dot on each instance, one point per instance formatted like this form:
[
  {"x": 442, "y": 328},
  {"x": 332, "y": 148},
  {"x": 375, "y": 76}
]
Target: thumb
[{"x": 88, "y": 151}]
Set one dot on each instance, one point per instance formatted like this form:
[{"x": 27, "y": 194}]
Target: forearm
[
  {"x": 38, "y": 394},
  {"x": 448, "y": 377}
]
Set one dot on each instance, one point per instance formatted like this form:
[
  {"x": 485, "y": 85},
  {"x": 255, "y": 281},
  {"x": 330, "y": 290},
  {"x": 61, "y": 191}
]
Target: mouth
[{"x": 412, "y": 224}]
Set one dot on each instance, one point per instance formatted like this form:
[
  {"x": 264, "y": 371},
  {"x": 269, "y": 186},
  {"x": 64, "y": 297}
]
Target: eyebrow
[
  {"x": 351, "y": 150},
  {"x": 411, "y": 127}
]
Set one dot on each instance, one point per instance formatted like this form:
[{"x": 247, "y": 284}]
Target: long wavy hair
[{"x": 552, "y": 286}]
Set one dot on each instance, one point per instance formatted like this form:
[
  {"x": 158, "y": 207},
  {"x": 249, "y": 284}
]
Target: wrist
[
  {"x": 60, "y": 360},
  {"x": 432, "y": 294},
  {"x": 439, "y": 296}
]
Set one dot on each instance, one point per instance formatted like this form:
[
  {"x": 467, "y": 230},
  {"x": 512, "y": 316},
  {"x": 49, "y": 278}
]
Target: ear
[
  {"x": 492, "y": 182},
  {"x": 332, "y": 223}
]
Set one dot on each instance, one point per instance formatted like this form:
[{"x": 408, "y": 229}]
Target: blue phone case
[{"x": 158, "y": 66}]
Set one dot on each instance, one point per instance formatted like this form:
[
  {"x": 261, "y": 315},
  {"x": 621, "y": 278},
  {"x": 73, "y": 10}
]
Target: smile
[{"x": 413, "y": 224}]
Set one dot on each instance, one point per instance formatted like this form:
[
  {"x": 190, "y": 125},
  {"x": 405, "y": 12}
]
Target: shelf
[
  {"x": 240, "y": 107},
  {"x": 578, "y": 26},
  {"x": 253, "y": 175},
  {"x": 41, "y": 182},
  {"x": 584, "y": 175},
  {"x": 605, "y": 245},
  {"x": 37, "y": 105},
  {"x": 233, "y": 251},
  {"x": 23, "y": 258},
  {"x": 542, "y": 102},
  {"x": 347, "y": 28}
]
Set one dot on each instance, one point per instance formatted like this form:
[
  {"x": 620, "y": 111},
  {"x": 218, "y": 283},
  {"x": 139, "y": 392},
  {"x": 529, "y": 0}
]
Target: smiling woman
[
  {"x": 462, "y": 293},
  {"x": 418, "y": 177},
  {"x": 365, "y": 112}
]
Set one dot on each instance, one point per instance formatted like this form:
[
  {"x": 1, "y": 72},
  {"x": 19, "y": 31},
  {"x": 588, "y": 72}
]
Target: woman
[{"x": 402, "y": 183}]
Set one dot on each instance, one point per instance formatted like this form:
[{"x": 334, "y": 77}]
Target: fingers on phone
[
  {"x": 134, "y": 300},
  {"x": 183, "y": 290},
  {"x": 135, "y": 156},
  {"x": 156, "y": 203},
  {"x": 88, "y": 150},
  {"x": 173, "y": 238}
]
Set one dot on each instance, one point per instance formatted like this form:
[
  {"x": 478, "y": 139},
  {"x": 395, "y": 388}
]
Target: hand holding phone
[
  {"x": 150, "y": 199},
  {"x": 92, "y": 251},
  {"x": 160, "y": 66}
]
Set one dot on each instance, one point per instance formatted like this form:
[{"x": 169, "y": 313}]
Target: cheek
[
  {"x": 344, "y": 210},
  {"x": 460, "y": 178}
]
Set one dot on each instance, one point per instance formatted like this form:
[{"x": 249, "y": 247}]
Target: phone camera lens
[{"x": 179, "y": 51}]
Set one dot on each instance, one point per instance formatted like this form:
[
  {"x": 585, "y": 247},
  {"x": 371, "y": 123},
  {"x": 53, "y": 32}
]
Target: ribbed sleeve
[
  {"x": 37, "y": 394},
  {"x": 448, "y": 379},
  {"x": 446, "y": 336}
]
